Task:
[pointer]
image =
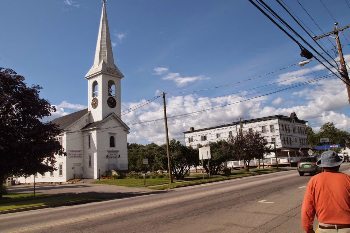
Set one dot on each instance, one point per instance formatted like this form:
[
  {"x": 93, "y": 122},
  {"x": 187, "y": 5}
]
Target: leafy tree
[
  {"x": 312, "y": 137},
  {"x": 248, "y": 146},
  {"x": 182, "y": 158},
  {"x": 154, "y": 153},
  {"x": 221, "y": 152},
  {"x": 27, "y": 144}
]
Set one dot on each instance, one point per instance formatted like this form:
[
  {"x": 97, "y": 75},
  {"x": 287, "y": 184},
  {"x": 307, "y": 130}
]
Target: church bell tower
[{"x": 104, "y": 77}]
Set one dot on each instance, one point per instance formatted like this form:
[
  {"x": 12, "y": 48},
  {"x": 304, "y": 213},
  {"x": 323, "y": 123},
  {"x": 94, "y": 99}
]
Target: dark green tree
[
  {"x": 182, "y": 158},
  {"x": 221, "y": 152},
  {"x": 27, "y": 144},
  {"x": 248, "y": 146}
]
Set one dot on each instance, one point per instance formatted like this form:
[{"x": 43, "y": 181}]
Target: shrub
[
  {"x": 3, "y": 189},
  {"x": 226, "y": 171}
]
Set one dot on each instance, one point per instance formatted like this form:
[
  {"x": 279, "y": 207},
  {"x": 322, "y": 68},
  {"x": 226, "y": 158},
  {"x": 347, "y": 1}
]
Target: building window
[
  {"x": 94, "y": 89},
  {"x": 272, "y": 128},
  {"x": 203, "y": 137},
  {"x": 51, "y": 173},
  {"x": 89, "y": 141},
  {"x": 273, "y": 140},
  {"x": 250, "y": 130},
  {"x": 43, "y": 175},
  {"x": 60, "y": 169},
  {"x": 217, "y": 135},
  {"x": 190, "y": 139},
  {"x": 111, "y": 88},
  {"x": 263, "y": 129},
  {"x": 230, "y": 133},
  {"x": 36, "y": 175},
  {"x": 111, "y": 141},
  {"x": 89, "y": 160}
]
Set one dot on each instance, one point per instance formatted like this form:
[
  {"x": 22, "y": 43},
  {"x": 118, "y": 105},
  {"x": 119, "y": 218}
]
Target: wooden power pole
[
  {"x": 167, "y": 139},
  {"x": 342, "y": 69}
]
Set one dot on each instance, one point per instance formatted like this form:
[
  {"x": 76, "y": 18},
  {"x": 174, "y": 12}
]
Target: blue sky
[{"x": 178, "y": 47}]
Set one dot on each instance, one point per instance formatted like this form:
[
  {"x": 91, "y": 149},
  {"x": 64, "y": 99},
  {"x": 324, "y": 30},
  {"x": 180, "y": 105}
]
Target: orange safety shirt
[{"x": 328, "y": 196}]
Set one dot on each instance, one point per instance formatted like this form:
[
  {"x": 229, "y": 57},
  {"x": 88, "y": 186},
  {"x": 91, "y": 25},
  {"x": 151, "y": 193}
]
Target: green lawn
[
  {"x": 193, "y": 179},
  {"x": 14, "y": 201},
  {"x": 134, "y": 182}
]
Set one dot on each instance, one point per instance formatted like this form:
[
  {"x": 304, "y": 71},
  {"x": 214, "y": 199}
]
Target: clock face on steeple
[
  {"x": 94, "y": 103},
  {"x": 111, "y": 102}
]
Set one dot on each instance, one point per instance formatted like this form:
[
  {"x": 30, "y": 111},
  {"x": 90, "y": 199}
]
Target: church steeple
[
  {"x": 104, "y": 78},
  {"x": 104, "y": 61}
]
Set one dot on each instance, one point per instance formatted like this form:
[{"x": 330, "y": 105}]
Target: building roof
[
  {"x": 281, "y": 117},
  {"x": 67, "y": 120},
  {"x": 98, "y": 123},
  {"x": 104, "y": 61}
]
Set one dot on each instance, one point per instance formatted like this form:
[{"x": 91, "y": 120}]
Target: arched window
[
  {"x": 94, "y": 89},
  {"x": 111, "y": 141},
  {"x": 111, "y": 88}
]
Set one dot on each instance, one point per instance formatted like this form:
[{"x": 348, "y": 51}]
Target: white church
[{"x": 95, "y": 139}]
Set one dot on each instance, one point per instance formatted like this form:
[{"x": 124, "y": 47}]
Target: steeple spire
[{"x": 104, "y": 61}]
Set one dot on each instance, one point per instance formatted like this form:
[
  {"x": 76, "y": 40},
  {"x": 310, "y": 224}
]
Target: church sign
[
  {"x": 75, "y": 153},
  {"x": 112, "y": 154}
]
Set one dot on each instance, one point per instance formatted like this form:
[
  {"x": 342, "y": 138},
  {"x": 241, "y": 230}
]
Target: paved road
[{"x": 268, "y": 203}]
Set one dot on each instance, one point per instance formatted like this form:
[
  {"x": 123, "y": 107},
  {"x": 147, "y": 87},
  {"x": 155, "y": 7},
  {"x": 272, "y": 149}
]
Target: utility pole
[
  {"x": 167, "y": 140},
  {"x": 342, "y": 69}
]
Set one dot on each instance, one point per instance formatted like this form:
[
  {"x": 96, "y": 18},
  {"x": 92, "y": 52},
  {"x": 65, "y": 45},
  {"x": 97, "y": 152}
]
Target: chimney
[{"x": 191, "y": 129}]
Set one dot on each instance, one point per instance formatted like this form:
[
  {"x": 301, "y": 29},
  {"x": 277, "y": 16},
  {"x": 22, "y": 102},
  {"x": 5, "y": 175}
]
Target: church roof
[
  {"x": 99, "y": 123},
  {"x": 65, "y": 121},
  {"x": 104, "y": 61}
]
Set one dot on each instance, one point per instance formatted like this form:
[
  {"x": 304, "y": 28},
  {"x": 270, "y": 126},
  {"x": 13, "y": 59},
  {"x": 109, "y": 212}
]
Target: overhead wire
[
  {"x": 282, "y": 4},
  {"x": 328, "y": 11},
  {"x": 264, "y": 5},
  {"x": 314, "y": 21}
]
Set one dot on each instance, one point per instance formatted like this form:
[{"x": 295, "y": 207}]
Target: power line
[
  {"x": 264, "y": 5},
  {"x": 328, "y": 11},
  {"x": 140, "y": 105},
  {"x": 314, "y": 21},
  {"x": 347, "y": 3},
  {"x": 298, "y": 22},
  {"x": 220, "y": 106}
]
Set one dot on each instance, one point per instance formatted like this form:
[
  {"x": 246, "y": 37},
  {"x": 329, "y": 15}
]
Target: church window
[
  {"x": 89, "y": 160},
  {"x": 60, "y": 169},
  {"x": 111, "y": 88},
  {"x": 89, "y": 141},
  {"x": 111, "y": 141},
  {"x": 94, "y": 89}
]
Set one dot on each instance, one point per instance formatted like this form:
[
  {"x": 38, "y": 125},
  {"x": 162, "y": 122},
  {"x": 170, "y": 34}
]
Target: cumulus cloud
[
  {"x": 318, "y": 104},
  {"x": 177, "y": 78},
  {"x": 71, "y": 3},
  {"x": 277, "y": 101}
]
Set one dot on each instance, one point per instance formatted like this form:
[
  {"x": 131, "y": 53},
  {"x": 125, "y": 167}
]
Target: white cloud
[
  {"x": 317, "y": 104},
  {"x": 160, "y": 70},
  {"x": 121, "y": 36},
  {"x": 64, "y": 104},
  {"x": 277, "y": 101},
  {"x": 299, "y": 75},
  {"x": 71, "y": 3},
  {"x": 118, "y": 38},
  {"x": 179, "y": 80}
]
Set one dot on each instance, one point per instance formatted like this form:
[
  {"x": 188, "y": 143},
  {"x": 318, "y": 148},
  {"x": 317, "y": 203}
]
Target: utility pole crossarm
[
  {"x": 336, "y": 30},
  {"x": 342, "y": 64}
]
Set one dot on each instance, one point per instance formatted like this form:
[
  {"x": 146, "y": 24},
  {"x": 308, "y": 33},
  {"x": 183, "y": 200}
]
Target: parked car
[{"x": 308, "y": 165}]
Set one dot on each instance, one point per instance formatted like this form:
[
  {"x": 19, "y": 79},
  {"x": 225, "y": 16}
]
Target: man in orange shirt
[{"x": 328, "y": 197}]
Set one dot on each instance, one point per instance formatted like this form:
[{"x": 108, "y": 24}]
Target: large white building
[
  {"x": 287, "y": 133},
  {"x": 95, "y": 139}
]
